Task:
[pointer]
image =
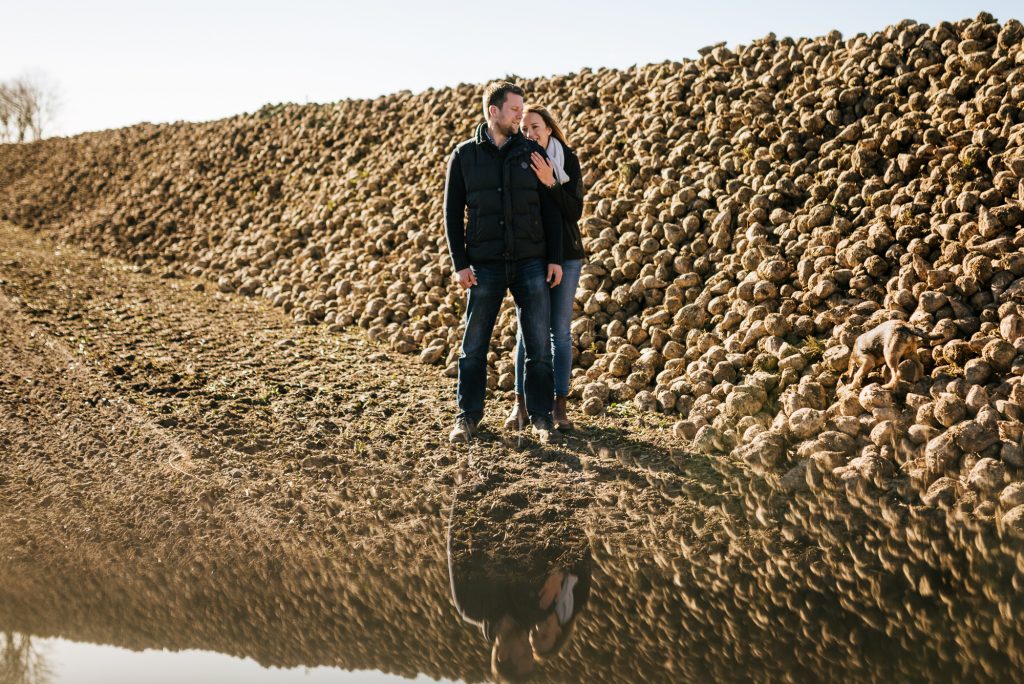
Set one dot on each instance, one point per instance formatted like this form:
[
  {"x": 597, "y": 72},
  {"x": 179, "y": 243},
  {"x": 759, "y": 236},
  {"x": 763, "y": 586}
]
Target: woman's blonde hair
[{"x": 549, "y": 120}]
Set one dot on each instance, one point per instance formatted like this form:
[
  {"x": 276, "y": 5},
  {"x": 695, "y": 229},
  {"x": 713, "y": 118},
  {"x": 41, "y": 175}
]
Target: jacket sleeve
[
  {"x": 551, "y": 218},
  {"x": 569, "y": 195},
  {"x": 581, "y": 592},
  {"x": 476, "y": 599},
  {"x": 455, "y": 212},
  {"x": 481, "y": 601}
]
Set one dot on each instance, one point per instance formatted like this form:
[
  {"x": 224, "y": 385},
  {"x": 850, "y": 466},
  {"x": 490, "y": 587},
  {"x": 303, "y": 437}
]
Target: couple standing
[{"x": 513, "y": 199}]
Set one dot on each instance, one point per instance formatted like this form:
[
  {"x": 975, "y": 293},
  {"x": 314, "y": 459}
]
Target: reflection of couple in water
[
  {"x": 526, "y": 607},
  {"x": 524, "y": 624}
]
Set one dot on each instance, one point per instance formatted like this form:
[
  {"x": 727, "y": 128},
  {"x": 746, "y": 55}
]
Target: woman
[
  {"x": 564, "y": 595},
  {"x": 560, "y": 173}
]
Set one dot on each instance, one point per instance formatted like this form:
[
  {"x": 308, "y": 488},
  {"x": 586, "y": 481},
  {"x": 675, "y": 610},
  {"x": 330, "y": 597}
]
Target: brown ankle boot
[
  {"x": 518, "y": 418},
  {"x": 560, "y": 417}
]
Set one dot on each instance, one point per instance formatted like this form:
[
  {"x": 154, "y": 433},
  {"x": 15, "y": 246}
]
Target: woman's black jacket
[{"x": 569, "y": 197}]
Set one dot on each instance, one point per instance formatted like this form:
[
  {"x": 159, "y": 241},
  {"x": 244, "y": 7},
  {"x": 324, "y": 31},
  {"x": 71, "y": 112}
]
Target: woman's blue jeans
[
  {"x": 561, "y": 318},
  {"x": 525, "y": 279}
]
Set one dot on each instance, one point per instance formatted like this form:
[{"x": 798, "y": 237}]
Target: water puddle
[
  {"x": 676, "y": 580},
  {"x": 28, "y": 660}
]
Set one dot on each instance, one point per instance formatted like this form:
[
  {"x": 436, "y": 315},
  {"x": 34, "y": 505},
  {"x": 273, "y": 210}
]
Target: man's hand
[
  {"x": 554, "y": 274},
  {"x": 466, "y": 279},
  {"x": 552, "y": 587}
]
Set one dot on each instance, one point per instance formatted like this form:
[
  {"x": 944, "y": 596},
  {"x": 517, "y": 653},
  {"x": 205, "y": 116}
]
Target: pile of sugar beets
[{"x": 748, "y": 215}]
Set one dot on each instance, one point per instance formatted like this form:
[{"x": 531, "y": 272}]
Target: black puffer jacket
[
  {"x": 483, "y": 590},
  {"x": 495, "y": 208}
]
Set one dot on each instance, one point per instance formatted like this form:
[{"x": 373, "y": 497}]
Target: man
[{"x": 512, "y": 241}]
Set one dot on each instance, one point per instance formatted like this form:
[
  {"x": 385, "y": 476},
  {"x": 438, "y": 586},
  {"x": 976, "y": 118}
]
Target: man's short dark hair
[{"x": 496, "y": 93}]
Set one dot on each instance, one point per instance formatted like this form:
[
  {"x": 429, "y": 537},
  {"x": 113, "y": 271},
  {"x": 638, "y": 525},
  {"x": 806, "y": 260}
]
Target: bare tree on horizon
[
  {"x": 28, "y": 105},
  {"x": 21, "y": 661}
]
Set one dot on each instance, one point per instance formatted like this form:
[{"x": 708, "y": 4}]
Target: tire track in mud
[
  {"x": 88, "y": 461},
  {"x": 147, "y": 374},
  {"x": 23, "y": 347}
]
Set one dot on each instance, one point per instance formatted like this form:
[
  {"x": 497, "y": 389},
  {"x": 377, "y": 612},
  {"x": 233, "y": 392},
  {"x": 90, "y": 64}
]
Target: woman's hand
[
  {"x": 554, "y": 274},
  {"x": 552, "y": 587},
  {"x": 542, "y": 167}
]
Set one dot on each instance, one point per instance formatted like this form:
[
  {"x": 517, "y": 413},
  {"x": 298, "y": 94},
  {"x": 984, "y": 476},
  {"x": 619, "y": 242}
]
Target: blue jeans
[
  {"x": 561, "y": 317},
  {"x": 525, "y": 279}
]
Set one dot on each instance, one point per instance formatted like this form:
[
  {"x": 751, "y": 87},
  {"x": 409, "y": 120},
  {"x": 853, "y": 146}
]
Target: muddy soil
[
  {"x": 185, "y": 469},
  {"x": 124, "y": 389}
]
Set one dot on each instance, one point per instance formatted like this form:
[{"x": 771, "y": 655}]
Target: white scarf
[
  {"x": 556, "y": 154},
  {"x": 564, "y": 602}
]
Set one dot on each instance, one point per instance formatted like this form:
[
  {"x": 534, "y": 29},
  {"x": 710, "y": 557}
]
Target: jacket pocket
[{"x": 535, "y": 228}]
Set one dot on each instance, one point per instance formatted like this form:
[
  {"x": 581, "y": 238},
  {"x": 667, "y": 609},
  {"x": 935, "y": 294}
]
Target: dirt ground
[{"x": 175, "y": 406}]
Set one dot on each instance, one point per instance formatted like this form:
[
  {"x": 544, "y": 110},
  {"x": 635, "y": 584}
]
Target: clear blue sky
[{"x": 116, "y": 62}]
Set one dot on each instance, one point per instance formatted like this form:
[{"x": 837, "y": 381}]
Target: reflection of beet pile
[
  {"x": 359, "y": 606},
  {"x": 772, "y": 589},
  {"x": 842, "y": 577}
]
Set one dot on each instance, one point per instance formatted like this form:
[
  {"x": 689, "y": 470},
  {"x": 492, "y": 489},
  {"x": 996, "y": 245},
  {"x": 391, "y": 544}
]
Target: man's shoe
[
  {"x": 518, "y": 417},
  {"x": 560, "y": 416},
  {"x": 544, "y": 430},
  {"x": 463, "y": 431}
]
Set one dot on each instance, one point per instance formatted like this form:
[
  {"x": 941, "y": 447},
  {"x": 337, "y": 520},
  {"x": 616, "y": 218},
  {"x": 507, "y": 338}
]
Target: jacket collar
[{"x": 482, "y": 138}]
